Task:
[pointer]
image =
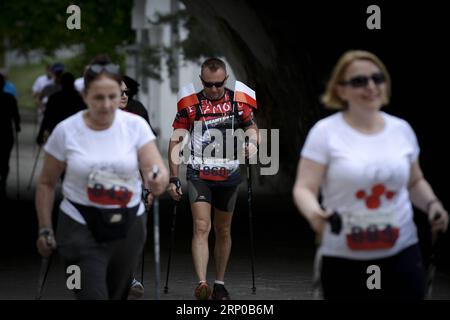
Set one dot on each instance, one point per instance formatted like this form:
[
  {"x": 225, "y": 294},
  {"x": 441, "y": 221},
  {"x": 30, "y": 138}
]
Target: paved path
[{"x": 284, "y": 247}]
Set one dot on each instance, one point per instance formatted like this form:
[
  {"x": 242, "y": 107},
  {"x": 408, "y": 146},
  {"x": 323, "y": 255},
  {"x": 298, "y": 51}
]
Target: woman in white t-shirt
[
  {"x": 102, "y": 220},
  {"x": 365, "y": 163}
]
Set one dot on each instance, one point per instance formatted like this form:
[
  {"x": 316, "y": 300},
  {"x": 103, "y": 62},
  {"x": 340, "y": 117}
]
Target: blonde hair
[{"x": 331, "y": 97}]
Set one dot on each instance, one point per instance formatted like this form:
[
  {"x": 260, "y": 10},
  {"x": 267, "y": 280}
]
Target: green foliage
[
  {"x": 77, "y": 64},
  {"x": 41, "y": 24},
  {"x": 194, "y": 47},
  {"x": 23, "y": 78},
  {"x": 197, "y": 45},
  {"x": 105, "y": 26}
]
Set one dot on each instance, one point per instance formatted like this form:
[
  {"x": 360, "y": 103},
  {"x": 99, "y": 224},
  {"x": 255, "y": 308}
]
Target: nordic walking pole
[
  {"x": 431, "y": 270},
  {"x": 145, "y": 193},
  {"x": 34, "y": 168},
  {"x": 143, "y": 249},
  {"x": 45, "y": 267},
  {"x": 36, "y": 120},
  {"x": 250, "y": 220},
  {"x": 17, "y": 164},
  {"x": 142, "y": 265},
  {"x": 172, "y": 239},
  {"x": 156, "y": 239},
  {"x": 43, "y": 273}
]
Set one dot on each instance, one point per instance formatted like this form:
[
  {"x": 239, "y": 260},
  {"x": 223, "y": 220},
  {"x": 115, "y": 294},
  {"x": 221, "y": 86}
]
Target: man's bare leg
[{"x": 222, "y": 228}]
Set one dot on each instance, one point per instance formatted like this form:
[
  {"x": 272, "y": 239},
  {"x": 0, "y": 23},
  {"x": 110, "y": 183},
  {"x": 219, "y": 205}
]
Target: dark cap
[{"x": 57, "y": 67}]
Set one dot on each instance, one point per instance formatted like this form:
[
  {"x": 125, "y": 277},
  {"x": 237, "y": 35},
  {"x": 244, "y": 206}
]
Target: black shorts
[{"x": 220, "y": 197}]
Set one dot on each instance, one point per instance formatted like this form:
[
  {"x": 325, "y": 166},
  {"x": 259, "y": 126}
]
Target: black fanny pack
[{"x": 107, "y": 224}]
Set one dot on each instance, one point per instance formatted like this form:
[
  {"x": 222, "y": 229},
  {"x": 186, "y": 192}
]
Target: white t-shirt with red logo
[
  {"x": 366, "y": 183},
  {"x": 102, "y": 166}
]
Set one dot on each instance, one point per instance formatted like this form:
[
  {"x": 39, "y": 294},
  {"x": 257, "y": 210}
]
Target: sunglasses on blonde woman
[{"x": 363, "y": 81}]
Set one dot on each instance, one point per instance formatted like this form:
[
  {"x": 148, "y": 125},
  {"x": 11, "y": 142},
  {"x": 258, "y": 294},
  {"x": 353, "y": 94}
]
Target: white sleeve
[
  {"x": 144, "y": 133},
  {"x": 316, "y": 144},
  {"x": 412, "y": 138},
  {"x": 36, "y": 85},
  {"x": 56, "y": 143}
]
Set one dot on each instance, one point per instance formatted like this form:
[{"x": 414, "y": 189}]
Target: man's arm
[
  {"x": 175, "y": 144},
  {"x": 176, "y": 141},
  {"x": 254, "y": 139},
  {"x": 253, "y": 133}
]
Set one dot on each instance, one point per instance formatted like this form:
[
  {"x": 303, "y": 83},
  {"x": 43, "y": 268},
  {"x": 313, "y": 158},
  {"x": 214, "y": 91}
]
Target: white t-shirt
[
  {"x": 113, "y": 150},
  {"x": 79, "y": 84},
  {"x": 40, "y": 83},
  {"x": 367, "y": 174}
]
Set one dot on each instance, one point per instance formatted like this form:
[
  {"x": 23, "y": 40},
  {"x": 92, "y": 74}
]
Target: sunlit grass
[{"x": 23, "y": 78}]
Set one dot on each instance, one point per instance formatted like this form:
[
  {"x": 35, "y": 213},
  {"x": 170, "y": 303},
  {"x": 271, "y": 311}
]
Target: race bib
[
  {"x": 213, "y": 173},
  {"x": 106, "y": 188},
  {"x": 378, "y": 229}
]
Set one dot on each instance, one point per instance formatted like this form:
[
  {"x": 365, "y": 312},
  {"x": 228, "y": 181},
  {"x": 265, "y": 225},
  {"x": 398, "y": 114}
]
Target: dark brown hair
[{"x": 214, "y": 64}]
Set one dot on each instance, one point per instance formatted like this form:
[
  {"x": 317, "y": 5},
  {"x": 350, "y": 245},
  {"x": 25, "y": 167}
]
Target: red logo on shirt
[
  {"x": 373, "y": 200},
  {"x": 375, "y": 235},
  {"x": 115, "y": 195}
]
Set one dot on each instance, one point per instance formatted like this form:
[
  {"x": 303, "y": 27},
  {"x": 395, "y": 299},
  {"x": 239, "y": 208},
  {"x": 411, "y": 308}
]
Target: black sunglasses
[
  {"x": 213, "y": 84},
  {"x": 109, "y": 68},
  {"x": 363, "y": 81},
  {"x": 125, "y": 92}
]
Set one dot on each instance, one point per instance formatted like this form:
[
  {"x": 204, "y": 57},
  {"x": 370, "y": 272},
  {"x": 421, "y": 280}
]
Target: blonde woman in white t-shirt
[
  {"x": 365, "y": 164},
  {"x": 102, "y": 220}
]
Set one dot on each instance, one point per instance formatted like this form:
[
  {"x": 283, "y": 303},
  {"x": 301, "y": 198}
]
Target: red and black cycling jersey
[
  {"x": 218, "y": 110},
  {"x": 220, "y": 114}
]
